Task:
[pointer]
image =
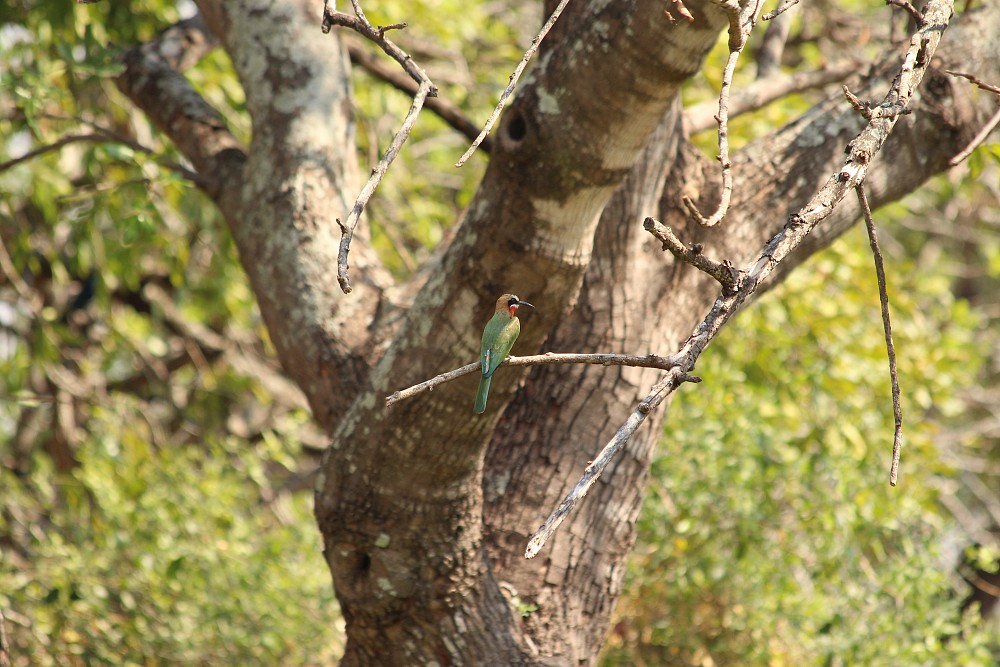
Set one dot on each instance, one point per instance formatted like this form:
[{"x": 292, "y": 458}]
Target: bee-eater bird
[{"x": 498, "y": 337}]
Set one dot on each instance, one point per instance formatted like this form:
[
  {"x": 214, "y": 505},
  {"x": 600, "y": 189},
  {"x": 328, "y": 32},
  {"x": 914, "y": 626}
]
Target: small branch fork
[
  {"x": 849, "y": 177},
  {"x": 513, "y": 82},
  {"x": 425, "y": 89},
  {"x": 740, "y": 25}
]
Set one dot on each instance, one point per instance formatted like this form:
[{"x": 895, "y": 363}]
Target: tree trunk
[{"x": 425, "y": 509}]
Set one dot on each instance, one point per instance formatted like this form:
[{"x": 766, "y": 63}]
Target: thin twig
[
  {"x": 888, "y": 109},
  {"x": 782, "y": 8},
  {"x": 100, "y": 136},
  {"x": 513, "y": 82},
  {"x": 977, "y": 140},
  {"x": 724, "y": 272},
  {"x": 987, "y": 128},
  {"x": 602, "y": 359},
  {"x": 425, "y": 89},
  {"x": 740, "y": 25},
  {"x": 897, "y": 438},
  {"x": 975, "y": 80},
  {"x": 860, "y": 153},
  {"x": 910, "y": 9},
  {"x": 347, "y": 228}
]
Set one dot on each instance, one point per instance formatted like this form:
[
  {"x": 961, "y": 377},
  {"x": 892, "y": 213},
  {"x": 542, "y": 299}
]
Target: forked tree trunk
[{"x": 425, "y": 509}]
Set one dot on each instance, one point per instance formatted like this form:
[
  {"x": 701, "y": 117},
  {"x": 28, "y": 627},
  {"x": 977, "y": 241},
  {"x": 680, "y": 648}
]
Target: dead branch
[
  {"x": 987, "y": 128},
  {"x": 425, "y": 89},
  {"x": 860, "y": 152},
  {"x": 740, "y": 25},
  {"x": 513, "y": 82},
  {"x": 897, "y": 438},
  {"x": 447, "y": 111}
]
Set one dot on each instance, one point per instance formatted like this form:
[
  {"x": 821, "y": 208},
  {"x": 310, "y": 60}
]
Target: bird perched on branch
[{"x": 498, "y": 337}]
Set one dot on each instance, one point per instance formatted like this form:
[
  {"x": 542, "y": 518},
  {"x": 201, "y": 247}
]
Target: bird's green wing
[{"x": 498, "y": 338}]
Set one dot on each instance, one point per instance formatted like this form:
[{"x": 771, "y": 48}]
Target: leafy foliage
[{"x": 770, "y": 534}]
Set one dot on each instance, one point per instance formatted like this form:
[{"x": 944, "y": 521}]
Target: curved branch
[
  {"x": 425, "y": 89},
  {"x": 740, "y": 25}
]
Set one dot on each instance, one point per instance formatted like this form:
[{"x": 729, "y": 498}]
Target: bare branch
[
  {"x": 975, "y": 80},
  {"x": 782, "y": 8},
  {"x": 977, "y": 140},
  {"x": 910, "y": 9},
  {"x": 897, "y": 438},
  {"x": 724, "y": 272},
  {"x": 860, "y": 153},
  {"x": 986, "y": 129},
  {"x": 100, "y": 136},
  {"x": 447, "y": 111},
  {"x": 602, "y": 359},
  {"x": 425, "y": 89},
  {"x": 513, "y": 82},
  {"x": 740, "y": 25},
  {"x": 760, "y": 93},
  {"x": 674, "y": 379}
]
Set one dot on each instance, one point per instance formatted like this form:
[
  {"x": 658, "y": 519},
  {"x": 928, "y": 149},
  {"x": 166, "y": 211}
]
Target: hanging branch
[
  {"x": 860, "y": 152},
  {"x": 740, "y": 25},
  {"x": 425, "y": 89},
  {"x": 897, "y": 438},
  {"x": 513, "y": 82}
]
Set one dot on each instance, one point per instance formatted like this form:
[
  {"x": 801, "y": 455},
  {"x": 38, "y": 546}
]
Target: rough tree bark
[{"x": 425, "y": 509}]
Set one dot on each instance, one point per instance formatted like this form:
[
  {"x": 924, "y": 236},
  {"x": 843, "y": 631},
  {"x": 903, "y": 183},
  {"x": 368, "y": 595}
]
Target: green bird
[{"x": 498, "y": 337}]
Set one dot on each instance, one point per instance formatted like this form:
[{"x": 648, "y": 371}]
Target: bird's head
[{"x": 510, "y": 303}]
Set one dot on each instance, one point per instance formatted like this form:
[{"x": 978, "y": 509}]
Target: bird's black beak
[{"x": 524, "y": 303}]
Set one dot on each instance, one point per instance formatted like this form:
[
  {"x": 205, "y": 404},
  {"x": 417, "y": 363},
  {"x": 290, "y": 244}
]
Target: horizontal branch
[
  {"x": 600, "y": 359},
  {"x": 98, "y": 137},
  {"x": 760, "y": 93}
]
